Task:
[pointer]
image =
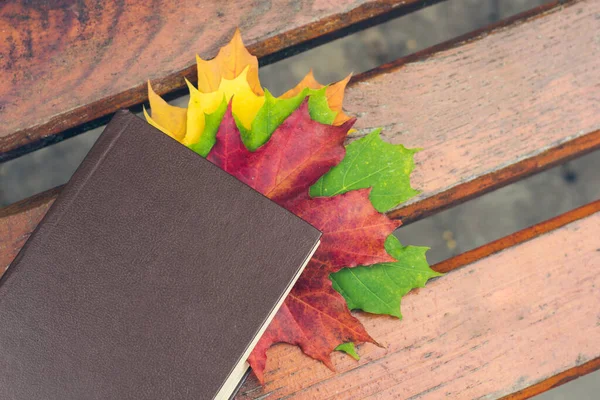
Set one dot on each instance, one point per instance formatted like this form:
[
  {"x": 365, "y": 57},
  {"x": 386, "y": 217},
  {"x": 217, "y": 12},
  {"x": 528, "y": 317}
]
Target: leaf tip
[
  {"x": 237, "y": 35},
  {"x": 349, "y": 349},
  {"x": 346, "y": 126}
]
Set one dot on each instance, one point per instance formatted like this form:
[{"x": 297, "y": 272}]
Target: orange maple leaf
[
  {"x": 334, "y": 94},
  {"x": 229, "y": 63}
]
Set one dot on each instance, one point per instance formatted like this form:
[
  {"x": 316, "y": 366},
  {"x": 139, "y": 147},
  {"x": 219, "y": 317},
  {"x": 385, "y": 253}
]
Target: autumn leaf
[
  {"x": 371, "y": 162},
  {"x": 165, "y": 117},
  {"x": 318, "y": 107},
  {"x": 199, "y": 105},
  {"x": 350, "y": 349},
  {"x": 354, "y": 233},
  {"x": 334, "y": 94},
  {"x": 308, "y": 81},
  {"x": 234, "y": 73},
  {"x": 207, "y": 139},
  {"x": 275, "y": 110},
  {"x": 245, "y": 105},
  {"x": 289, "y": 162},
  {"x": 229, "y": 63},
  {"x": 256, "y": 116},
  {"x": 314, "y": 317},
  {"x": 379, "y": 288},
  {"x": 272, "y": 114}
]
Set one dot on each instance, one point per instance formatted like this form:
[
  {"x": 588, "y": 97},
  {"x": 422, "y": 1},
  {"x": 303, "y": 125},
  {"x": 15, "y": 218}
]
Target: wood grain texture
[
  {"x": 64, "y": 63},
  {"x": 525, "y": 316},
  {"x": 478, "y": 185},
  {"x": 490, "y": 110},
  {"x": 17, "y": 221}
]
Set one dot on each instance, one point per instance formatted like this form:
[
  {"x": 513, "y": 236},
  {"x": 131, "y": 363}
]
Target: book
[{"x": 152, "y": 276}]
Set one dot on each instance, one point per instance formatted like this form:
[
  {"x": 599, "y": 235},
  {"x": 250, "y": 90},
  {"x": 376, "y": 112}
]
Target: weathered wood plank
[
  {"x": 524, "y": 316},
  {"x": 486, "y": 137},
  {"x": 528, "y": 91},
  {"x": 459, "y": 192},
  {"x": 69, "y": 62}
]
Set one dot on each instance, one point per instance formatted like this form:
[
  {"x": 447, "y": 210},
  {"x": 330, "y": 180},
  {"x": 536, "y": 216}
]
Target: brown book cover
[{"x": 152, "y": 276}]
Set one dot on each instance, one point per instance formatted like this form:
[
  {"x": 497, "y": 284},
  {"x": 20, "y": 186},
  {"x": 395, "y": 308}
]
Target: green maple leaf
[
  {"x": 349, "y": 349},
  {"x": 318, "y": 107},
  {"x": 371, "y": 162},
  {"x": 272, "y": 114},
  {"x": 276, "y": 110},
  {"x": 379, "y": 288},
  {"x": 211, "y": 126}
]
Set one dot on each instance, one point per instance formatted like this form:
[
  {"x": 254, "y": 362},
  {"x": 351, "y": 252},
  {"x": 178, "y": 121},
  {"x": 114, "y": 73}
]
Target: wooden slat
[
  {"x": 66, "y": 63},
  {"x": 526, "y": 316},
  {"x": 491, "y": 110},
  {"x": 531, "y": 115},
  {"x": 458, "y": 192},
  {"x": 556, "y": 380}
]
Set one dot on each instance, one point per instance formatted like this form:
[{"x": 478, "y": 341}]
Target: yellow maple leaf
[
  {"x": 232, "y": 75},
  {"x": 245, "y": 104},
  {"x": 165, "y": 117},
  {"x": 199, "y": 105},
  {"x": 229, "y": 63},
  {"x": 334, "y": 94}
]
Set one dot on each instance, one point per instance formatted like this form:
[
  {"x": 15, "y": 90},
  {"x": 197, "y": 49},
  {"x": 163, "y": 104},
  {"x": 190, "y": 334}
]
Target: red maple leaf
[
  {"x": 354, "y": 232},
  {"x": 314, "y": 316},
  {"x": 297, "y": 154}
]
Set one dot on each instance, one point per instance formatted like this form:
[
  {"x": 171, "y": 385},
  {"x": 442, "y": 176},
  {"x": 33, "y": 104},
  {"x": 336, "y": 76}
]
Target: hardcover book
[{"x": 152, "y": 276}]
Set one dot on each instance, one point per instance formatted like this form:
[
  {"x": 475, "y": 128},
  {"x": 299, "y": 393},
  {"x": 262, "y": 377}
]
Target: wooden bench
[{"x": 512, "y": 318}]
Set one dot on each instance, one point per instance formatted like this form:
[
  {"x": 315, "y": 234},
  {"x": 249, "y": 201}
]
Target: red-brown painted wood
[
  {"x": 18, "y": 221},
  {"x": 63, "y": 63}
]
